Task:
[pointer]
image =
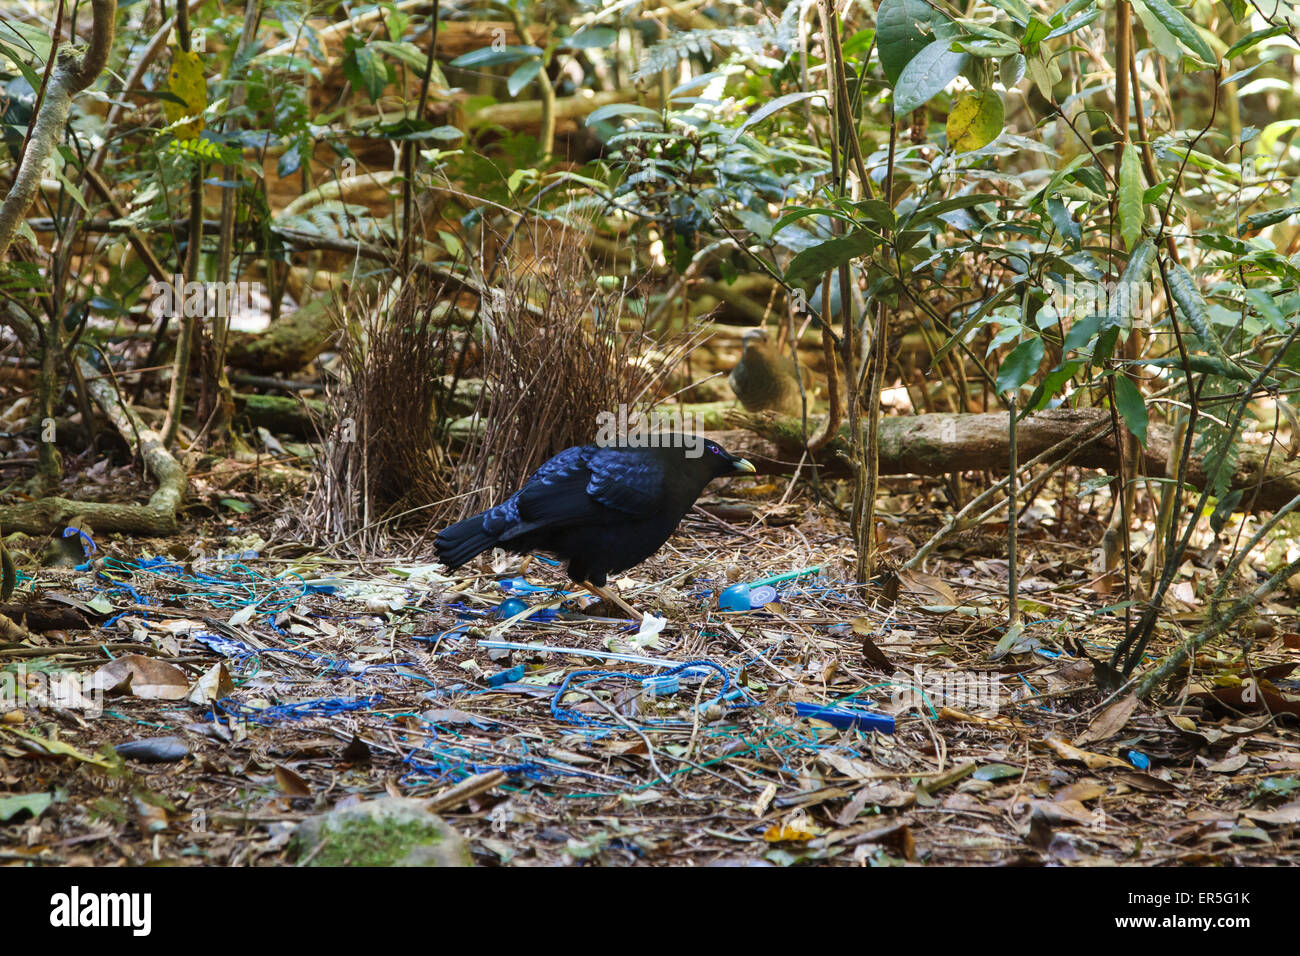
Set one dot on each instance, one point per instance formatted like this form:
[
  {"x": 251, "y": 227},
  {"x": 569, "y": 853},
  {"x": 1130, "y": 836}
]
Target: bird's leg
[{"x": 609, "y": 597}]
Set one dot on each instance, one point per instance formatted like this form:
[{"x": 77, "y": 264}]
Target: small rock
[
  {"x": 389, "y": 831},
  {"x": 154, "y": 749}
]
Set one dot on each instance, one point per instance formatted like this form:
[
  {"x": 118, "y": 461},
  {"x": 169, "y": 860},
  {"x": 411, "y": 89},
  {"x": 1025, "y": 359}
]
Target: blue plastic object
[
  {"x": 510, "y": 607},
  {"x": 844, "y": 717},
  {"x": 506, "y": 677},
  {"x": 1140, "y": 760},
  {"x": 754, "y": 594},
  {"x": 660, "y": 686},
  {"x": 519, "y": 585}
]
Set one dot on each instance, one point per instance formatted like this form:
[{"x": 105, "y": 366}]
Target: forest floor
[{"x": 280, "y": 684}]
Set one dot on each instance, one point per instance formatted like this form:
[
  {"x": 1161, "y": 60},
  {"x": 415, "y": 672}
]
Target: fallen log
[
  {"x": 945, "y": 443},
  {"x": 303, "y": 417}
]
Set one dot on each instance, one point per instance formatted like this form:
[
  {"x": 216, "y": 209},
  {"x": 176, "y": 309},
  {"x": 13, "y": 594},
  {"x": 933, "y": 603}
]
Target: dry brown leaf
[
  {"x": 291, "y": 783},
  {"x": 1081, "y": 791},
  {"x": 858, "y": 770},
  {"x": 1282, "y": 816},
  {"x": 1005, "y": 723},
  {"x": 1088, "y": 758},
  {"x": 1109, "y": 722},
  {"x": 1063, "y": 812},
  {"x": 928, "y": 585},
  {"x": 143, "y": 677},
  {"x": 1145, "y": 782},
  {"x": 213, "y": 685},
  {"x": 1229, "y": 764}
]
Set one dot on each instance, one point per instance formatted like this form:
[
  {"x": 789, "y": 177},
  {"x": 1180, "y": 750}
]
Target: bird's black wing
[{"x": 583, "y": 486}]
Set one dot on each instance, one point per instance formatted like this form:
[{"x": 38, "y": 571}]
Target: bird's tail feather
[{"x": 461, "y": 542}]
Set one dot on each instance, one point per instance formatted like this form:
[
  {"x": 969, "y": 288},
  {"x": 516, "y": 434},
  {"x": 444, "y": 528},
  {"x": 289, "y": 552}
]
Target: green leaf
[
  {"x": 996, "y": 771},
  {"x": 1051, "y": 384},
  {"x": 31, "y": 76},
  {"x": 803, "y": 212},
  {"x": 1127, "y": 296},
  {"x": 1249, "y": 42},
  {"x": 877, "y": 211},
  {"x": 1131, "y": 210},
  {"x": 927, "y": 74},
  {"x": 1164, "y": 41},
  {"x": 975, "y": 121},
  {"x": 1262, "y": 220},
  {"x": 364, "y": 69},
  {"x": 1176, "y": 22},
  {"x": 453, "y": 244},
  {"x": 490, "y": 56},
  {"x": 1130, "y": 404},
  {"x": 521, "y": 77},
  {"x": 594, "y": 38},
  {"x": 1063, "y": 173},
  {"x": 821, "y": 258},
  {"x": 778, "y": 104},
  {"x": 1263, "y": 304},
  {"x": 988, "y": 306},
  {"x": 1018, "y": 10},
  {"x": 407, "y": 53},
  {"x": 71, "y": 187},
  {"x": 903, "y": 28},
  {"x": 26, "y": 36},
  {"x": 936, "y": 209},
  {"x": 1012, "y": 70},
  {"x": 1193, "y": 306},
  {"x": 1078, "y": 23},
  {"x": 1224, "y": 508},
  {"x": 611, "y": 110},
  {"x": 1064, "y": 222},
  {"x": 1020, "y": 365},
  {"x": 14, "y": 804},
  {"x": 1036, "y": 31},
  {"x": 1081, "y": 333}
]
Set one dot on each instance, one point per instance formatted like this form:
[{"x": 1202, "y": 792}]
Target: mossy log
[
  {"x": 304, "y": 417},
  {"x": 287, "y": 345}
]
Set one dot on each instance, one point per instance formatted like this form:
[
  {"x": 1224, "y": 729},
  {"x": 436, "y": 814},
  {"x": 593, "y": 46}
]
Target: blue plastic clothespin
[{"x": 845, "y": 717}]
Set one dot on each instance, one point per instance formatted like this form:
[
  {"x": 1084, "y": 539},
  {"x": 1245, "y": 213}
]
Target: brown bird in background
[{"x": 764, "y": 379}]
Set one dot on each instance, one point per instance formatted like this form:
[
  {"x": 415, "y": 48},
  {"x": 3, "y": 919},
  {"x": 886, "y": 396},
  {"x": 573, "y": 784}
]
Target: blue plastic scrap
[
  {"x": 845, "y": 717},
  {"x": 522, "y": 586},
  {"x": 660, "y": 686},
  {"x": 515, "y": 673}
]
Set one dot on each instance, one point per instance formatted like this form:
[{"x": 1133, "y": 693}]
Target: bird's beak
[{"x": 744, "y": 467}]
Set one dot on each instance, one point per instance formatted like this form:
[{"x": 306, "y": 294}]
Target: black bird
[{"x": 600, "y": 509}]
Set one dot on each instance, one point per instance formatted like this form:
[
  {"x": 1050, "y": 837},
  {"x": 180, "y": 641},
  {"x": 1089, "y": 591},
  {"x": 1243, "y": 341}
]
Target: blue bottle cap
[
  {"x": 510, "y": 607},
  {"x": 763, "y": 594},
  {"x": 735, "y": 598}
]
